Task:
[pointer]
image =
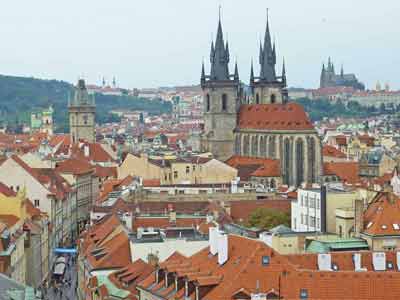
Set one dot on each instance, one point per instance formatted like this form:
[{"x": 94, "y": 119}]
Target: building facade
[{"x": 82, "y": 109}]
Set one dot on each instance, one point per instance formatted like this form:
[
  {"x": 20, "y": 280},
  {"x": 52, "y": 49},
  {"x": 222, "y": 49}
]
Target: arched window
[
  {"x": 272, "y": 147},
  {"x": 286, "y": 162},
  {"x": 311, "y": 160},
  {"x": 224, "y": 102},
  {"x": 340, "y": 230},
  {"x": 254, "y": 146},
  {"x": 257, "y": 98},
  {"x": 273, "y": 98},
  {"x": 246, "y": 145},
  {"x": 208, "y": 102},
  {"x": 299, "y": 161},
  {"x": 272, "y": 183},
  {"x": 263, "y": 147}
]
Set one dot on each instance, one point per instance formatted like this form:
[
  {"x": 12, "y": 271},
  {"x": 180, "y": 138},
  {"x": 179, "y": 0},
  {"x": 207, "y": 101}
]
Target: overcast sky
[{"x": 153, "y": 43}]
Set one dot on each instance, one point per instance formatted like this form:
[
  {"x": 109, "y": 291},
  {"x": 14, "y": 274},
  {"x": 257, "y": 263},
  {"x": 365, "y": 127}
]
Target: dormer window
[
  {"x": 265, "y": 260},
  {"x": 303, "y": 294}
]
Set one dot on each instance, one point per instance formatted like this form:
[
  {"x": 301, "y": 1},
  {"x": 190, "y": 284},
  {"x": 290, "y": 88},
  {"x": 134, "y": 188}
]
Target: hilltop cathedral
[
  {"x": 263, "y": 124},
  {"x": 329, "y": 78}
]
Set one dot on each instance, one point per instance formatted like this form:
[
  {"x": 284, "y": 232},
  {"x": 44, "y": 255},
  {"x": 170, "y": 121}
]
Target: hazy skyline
[{"x": 160, "y": 43}]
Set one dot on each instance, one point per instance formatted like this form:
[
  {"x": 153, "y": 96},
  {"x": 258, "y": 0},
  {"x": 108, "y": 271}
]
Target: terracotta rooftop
[
  {"x": 290, "y": 116},
  {"x": 330, "y": 151},
  {"x": 348, "y": 172},
  {"x": 254, "y": 167}
]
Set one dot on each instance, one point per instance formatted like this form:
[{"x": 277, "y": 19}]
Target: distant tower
[
  {"x": 387, "y": 87},
  {"x": 104, "y": 82},
  {"x": 82, "y": 110},
  {"x": 221, "y": 100},
  {"x": 114, "y": 83},
  {"x": 268, "y": 88}
]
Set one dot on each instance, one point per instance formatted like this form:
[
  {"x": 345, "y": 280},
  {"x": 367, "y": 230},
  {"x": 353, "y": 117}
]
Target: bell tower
[
  {"x": 221, "y": 98},
  {"x": 82, "y": 110}
]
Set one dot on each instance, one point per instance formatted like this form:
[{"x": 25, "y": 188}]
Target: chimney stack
[{"x": 222, "y": 248}]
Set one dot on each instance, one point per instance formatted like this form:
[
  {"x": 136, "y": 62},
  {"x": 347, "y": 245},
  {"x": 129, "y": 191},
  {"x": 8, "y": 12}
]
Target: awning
[{"x": 65, "y": 250}]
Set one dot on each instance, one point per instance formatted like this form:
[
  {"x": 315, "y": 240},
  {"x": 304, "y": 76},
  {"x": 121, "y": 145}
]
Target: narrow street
[{"x": 66, "y": 291}]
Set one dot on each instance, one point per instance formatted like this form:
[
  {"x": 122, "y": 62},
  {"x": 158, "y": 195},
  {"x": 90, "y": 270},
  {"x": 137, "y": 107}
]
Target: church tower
[
  {"x": 221, "y": 98},
  {"x": 82, "y": 109},
  {"x": 268, "y": 87}
]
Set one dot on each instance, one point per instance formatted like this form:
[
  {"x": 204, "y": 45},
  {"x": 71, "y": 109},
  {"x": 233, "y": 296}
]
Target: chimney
[
  {"x": 222, "y": 248},
  {"x": 213, "y": 239},
  {"x": 86, "y": 150},
  {"x": 358, "y": 217}
]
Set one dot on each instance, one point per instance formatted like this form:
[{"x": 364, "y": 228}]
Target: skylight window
[
  {"x": 369, "y": 224},
  {"x": 384, "y": 227},
  {"x": 396, "y": 226},
  {"x": 303, "y": 294},
  {"x": 265, "y": 260},
  {"x": 335, "y": 267}
]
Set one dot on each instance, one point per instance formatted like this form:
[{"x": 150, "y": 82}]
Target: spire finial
[
  {"x": 236, "y": 75},
  {"x": 219, "y": 12},
  {"x": 251, "y": 72},
  {"x": 283, "y": 72}
]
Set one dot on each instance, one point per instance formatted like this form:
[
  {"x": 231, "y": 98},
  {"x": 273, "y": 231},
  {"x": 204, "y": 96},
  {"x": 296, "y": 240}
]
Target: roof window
[
  {"x": 303, "y": 294},
  {"x": 265, "y": 260}
]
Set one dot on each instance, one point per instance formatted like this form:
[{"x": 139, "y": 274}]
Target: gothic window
[
  {"x": 263, "y": 147},
  {"x": 272, "y": 147},
  {"x": 237, "y": 144},
  {"x": 224, "y": 102},
  {"x": 257, "y": 98},
  {"x": 312, "y": 157},
  {"x": 273, "y": 98},
  {"x": 299, "y": 161},
  {"x": 286, "y": 161},
  {"x": 246, "y": 145},
  {"x": 254, "y": 146},
  {"x": 208, "y": 102}
]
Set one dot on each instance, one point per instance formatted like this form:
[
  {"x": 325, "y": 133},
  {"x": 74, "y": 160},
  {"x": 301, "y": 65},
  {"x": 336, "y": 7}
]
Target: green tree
[{"x": 266, "y": 218}]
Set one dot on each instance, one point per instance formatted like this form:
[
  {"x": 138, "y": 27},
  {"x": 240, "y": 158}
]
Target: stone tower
[
  {"x": 268, "y": 88},
  {"x": 221, "y": 97},
  {"x": 82, "y": 111}
]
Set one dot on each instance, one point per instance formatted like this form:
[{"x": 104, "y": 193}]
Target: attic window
[
  {"x": 303, "y": 294},
  {"x": 396, "y": 226},
  {"x": 384, "y": 227},
  {"x": 265, "y": 260}
]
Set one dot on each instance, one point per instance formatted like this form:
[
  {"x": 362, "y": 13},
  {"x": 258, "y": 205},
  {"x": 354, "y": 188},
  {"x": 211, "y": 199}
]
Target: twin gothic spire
[{"x": 220, "y": 57}]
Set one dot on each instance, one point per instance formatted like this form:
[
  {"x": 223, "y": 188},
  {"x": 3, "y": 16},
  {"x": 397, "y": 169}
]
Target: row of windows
[
  {"x": 166, "y": 176},
  {"x": 310, "y": 221},
  {"x": 224, "y": 102},
  {"x": 306, "y": 201}
]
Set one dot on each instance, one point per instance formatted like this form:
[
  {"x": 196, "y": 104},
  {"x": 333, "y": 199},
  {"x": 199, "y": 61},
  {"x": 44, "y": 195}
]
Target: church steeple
[
  {"x": 267, "y": 57},
  {"x": 219, "y": 56},
  {"x": 203, "y": 74}
]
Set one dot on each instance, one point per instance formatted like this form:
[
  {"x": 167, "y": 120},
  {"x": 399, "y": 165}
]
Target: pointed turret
[
  {"x": 274, "y": 54},
  {"x": 341, "y": 72},
  {"x": 251, "y": 73},
  {"x": 212, "y": 51},
  {"x": 268, "y": 58},
  {"x": 236, "y": 75},
  {"x": 227, "y": 50},
  {"x": 284, "y": 73},
  {"x": 203, "y": 74}
]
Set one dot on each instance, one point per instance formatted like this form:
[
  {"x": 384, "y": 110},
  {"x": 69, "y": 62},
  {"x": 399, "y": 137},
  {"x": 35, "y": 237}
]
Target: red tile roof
[
  {"x": 346, "y": 171},
  {"x": 9, "y": 220},
  {"x": 6, "y": 191},
  {"x": 330, "y": 151},
  {"x": 290, "y": 116},
  {"x": 254, "y": 167},
  {"x": 382, "y": 216},
  {"x": 74, "y": 166},
  {"x": 241, "y": 210}
]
